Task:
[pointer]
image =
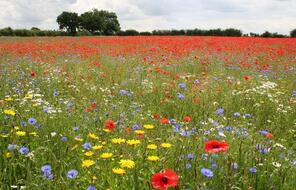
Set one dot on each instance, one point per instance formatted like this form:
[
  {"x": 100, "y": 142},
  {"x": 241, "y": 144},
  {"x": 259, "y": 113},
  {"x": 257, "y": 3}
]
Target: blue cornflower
[
  {"x": 190, "y": 156},
  {"x": 123, "y": 92},
  {"x": 236, "y": 114},
  {"x": 247, "y": 115},
  {"x": 253, "y": 170},
  {"x": 11, "y": 147},
  {"x": 72, "y": 174},
  {"x": 64, "y": 138},
  {"x": 136, "y": 127},
  {"x": 207, "y": 172},
  {"x": 172, "y": 121},
  {"x": 235, "y": 165},
  {"x": 180, "y": 96},
  {"x": 196, "y": 82},
  {"x": 75, "y": 128},
  {"x": 228, "y": 128},
  {"x": 91, "y": 188},
  {"x": 219, "y": 111},
  {"x": 214, "y": 165},
  {"x": 46, "y": 169},
  {"x": 24, "y": 150},
  {"x": 87, "y": 145},
  {"x": 32, "y": 121},
  {"x": 264, "y": 132},
  {"x": 55, "y": 93},
  {"x": 182, "y": 85},
  {"x": 294, "y": 93},
  {"x": 188, "y": 166}
]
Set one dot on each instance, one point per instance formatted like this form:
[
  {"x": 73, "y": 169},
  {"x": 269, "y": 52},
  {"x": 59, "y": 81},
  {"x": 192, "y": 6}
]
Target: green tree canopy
[
  {"x": 68, "y": 21},
  {"x": 293, "y": 33},
  {"x": 102, "y": 22}
]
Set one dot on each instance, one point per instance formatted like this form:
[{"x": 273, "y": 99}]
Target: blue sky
[{"x": 247, "y": 15}]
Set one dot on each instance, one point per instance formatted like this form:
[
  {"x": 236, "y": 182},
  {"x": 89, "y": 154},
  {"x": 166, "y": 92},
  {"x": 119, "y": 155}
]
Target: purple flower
[
  {"x": 72, "y": 174},
  {"x": 136, "y": 127},
  {"x": 190, "y": 156},
  {"x": 294, "y": 93},
  {"x": 182, "y": 85},
  {"x": 253, "y": 170},
  {"x": 24, "y": 150},
  {"x": 236, "y": 114},
  {"x": 11, "y": 147},
  {"x": 64, "y": 138},
  {"x": 55, "y": 93},
  {"x": 247, "y": 115},
  {"x": 219, "y": 111},
  {"x": 46, "y": 169},
  {"x": 87, "y": 145},
  {"x": 180, "y": 96},
  {"x": 91, "y": 188},
  {"x": 123, "y": 92},
  {"x": 235, "y": 165},
  {"x": 264, "y": 132},
  {"x": 207, "y": 172},
  {"x": 188, "y": 166},
  {"x": 196, "y": 82},
  {"x": 32, "y": 121}
]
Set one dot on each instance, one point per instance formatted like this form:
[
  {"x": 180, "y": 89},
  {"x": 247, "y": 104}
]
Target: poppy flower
[
  {"x": 246, "y": 77},
  {"x": 109, "y": 124},
  {"x": 164, "y": 120},
  {"x": 33, "y": 74},
  {"x": 187, "y": 119},
  {"x": 269, "y": 135},
  {"x": 164, "y": 179},
  {"x": 215, "y": 146}
]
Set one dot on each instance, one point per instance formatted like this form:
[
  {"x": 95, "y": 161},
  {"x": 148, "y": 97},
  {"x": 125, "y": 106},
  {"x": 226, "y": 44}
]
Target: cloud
[{"x": 248, "y": 15}]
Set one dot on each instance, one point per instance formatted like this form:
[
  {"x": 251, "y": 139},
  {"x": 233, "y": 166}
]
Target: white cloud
[{"x": 248, "y": 15}]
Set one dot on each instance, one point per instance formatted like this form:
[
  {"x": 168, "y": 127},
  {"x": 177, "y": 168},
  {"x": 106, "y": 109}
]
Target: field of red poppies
[{"x": 147, "y": 113}]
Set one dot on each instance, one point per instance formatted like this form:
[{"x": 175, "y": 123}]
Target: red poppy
[
  {"x": 164, "y": 120},
  {"x": 246, "y": 77},
  {"x": 33, "y": 74},
  {"x": 269, "y": 135},
  {"x": 164, "y": 179},
  {"x": 94, "y": 105},
  {"x": 187, "y": 119},
  {"x": 110, "y": 124},
  {"x": 215, "y": 146}
]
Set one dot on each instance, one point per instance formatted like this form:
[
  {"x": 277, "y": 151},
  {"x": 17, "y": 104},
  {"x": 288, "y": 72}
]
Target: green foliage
[
  {"x": 6, "y": 32},
  {"x": 68, "y": 21},
  {"x": 293, "y": 33},
  {"x": 99, "y": 22}
]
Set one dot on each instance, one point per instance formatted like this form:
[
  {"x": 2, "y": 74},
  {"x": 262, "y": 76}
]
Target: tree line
[{"x": 102, "y": 22}]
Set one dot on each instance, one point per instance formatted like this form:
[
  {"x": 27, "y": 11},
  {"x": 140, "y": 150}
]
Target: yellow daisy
[
  {"x": 106, "y": 155},
  {"x": 118, "y": 171},
  {"x": 127, "y": 163},
  {"x": 87, "y": 163},
  {"x": 153, "y": 158}
]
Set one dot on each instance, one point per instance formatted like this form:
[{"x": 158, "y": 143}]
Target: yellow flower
[
  {"x": 127, "y": 163},
  {"x": 153, "y": 158},
  {"x": 87, "y": 163},
  {"x": 93, "y": 136},
  {"x": 139, "y": 132},
  {"x": 33, "y": 134},
  {"x": 133, "y": 142},
  {"x": 165, "y": 145},
  {"x": 16, "y": 128},
  {"x": 20, "y": 133},
  {"x": 151, "y": 146},
  {"x": 8, "y": 155},
  {"x": 8, "y": 99},
  {"x": 9, "y": 112},
  {"x": 89, "y": 153},
  {"x": 78, "y": 139},
  {"x": 148, "y": 126},
  {"x": 106, "y": 155},
  {"x": 97, "y": 147},
  {"x": 4, "y": 136},
  {"x": 118, "y": 171},
  {"x": 118, "y": 140},
  {"x": 106, "y": 130}
]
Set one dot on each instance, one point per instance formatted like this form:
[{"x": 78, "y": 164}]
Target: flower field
[{"x": 120, "y": 113}]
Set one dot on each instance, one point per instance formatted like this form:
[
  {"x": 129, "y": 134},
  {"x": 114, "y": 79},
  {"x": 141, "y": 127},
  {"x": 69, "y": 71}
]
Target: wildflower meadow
[{"x": 147, "y": 112}]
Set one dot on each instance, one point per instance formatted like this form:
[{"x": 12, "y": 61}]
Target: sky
[{"x": 147, "y": 15}]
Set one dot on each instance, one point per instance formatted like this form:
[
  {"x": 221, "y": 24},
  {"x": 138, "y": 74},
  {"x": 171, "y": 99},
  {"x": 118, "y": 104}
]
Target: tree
[
  {"x": 266, "y": 34},
  {"x": 68, "y": 21},
  {"x": 293, "y": 33},
  {"x": 101, "y": 22}
]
